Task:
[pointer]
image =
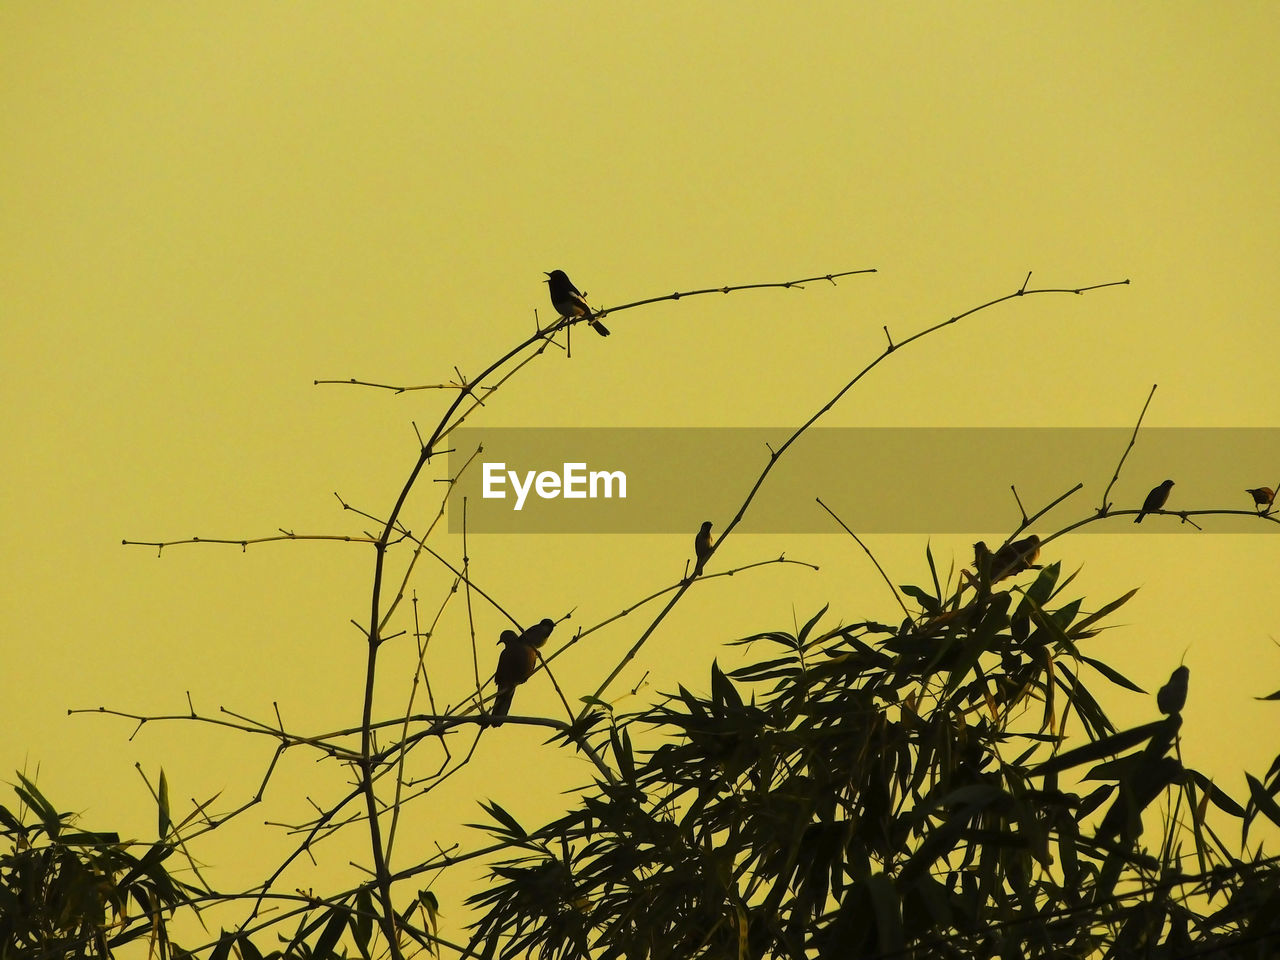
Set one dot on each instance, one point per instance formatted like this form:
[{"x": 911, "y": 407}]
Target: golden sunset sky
[{"x": 209, "y": 206}]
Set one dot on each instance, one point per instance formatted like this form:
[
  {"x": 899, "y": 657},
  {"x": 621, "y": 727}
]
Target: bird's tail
[
  {"x": 1138, "y": 518},
  {"x": 598, "y": 327},
  {"x": 502, "y": 705}
]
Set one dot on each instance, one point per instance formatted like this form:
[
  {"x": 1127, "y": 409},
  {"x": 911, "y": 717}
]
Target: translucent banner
[{"x": 878, "y": 480}]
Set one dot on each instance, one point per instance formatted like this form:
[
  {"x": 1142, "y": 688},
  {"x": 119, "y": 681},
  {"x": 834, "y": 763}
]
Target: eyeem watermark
[
  {"x": 572, "y": 483},
  {"x": 912, "y": 480}
]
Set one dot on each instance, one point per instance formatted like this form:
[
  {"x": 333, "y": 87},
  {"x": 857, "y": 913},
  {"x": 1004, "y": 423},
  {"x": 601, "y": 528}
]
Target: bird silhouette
[
  {"x": 1173, "y": 695},
  {"x": 1015, "y": 557},
  {"x": 1156, "y": 499},
  {"x": 702, "y": 546},
  {"x": 516, "y": 664},
  {"x": 537, "y": 635},
  {"x": 982, "y": 559},
  {"x": 1010, "y": 559},
  {"x": 570, "y": 302},
  {"x": 1262, "y": 496}
]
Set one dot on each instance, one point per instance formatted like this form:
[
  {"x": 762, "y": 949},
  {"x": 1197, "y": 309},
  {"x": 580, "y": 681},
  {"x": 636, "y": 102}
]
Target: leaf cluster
[
  {"x": 877, "y": 790},
  {"x": 66, "y": 892}
]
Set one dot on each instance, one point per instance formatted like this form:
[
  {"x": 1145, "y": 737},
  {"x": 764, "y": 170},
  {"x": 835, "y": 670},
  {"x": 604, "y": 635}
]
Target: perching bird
[
  {"x": 1173, "y": 695},
  {"x": 1156, "y": 499},
  {"x": 1019, "y": 555},
  {"x": 570, "y": 302},
  {"x": 1262, "y": 496},
  {"x": 702, "y": 546},
  {"x": 516, "y": 664},
  {"x": 537, "y": 635},
  {"x": 981, "y": 562},
  {"x": 1011, "y": 558}
]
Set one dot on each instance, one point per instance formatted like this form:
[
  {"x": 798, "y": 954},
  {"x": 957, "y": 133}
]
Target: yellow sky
[{"x": 207, "y": 206}]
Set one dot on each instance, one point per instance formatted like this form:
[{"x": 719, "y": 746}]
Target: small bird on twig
[
  {"x": 1010, "y": 559},
  {"x": 537, "y": 635},
  {"x": 1173, "y": 695},
  {"x": 1156, "y": 500},
  {"x": 516, "y": 663},
  {"x": 702, "y": 546},
  {"x": 570, "y": 302},
  {"x": 1262, "y": 496},
  {"x": 982, "y": 558},
  {"x": 1017, "y": 556}
]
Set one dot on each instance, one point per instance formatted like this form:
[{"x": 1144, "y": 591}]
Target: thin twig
[
  {"x": 872, "y": 556},
  {"x": 625, "y": 612},
  {"x": 352, "y": 381},
  {"x": 367, "y": 767},
  {"x": 776, "y": 455},
  {"x": 680, "y": 295},
  {"x": 243, "y": 543},
  {"x": 1102, "y": 510}
]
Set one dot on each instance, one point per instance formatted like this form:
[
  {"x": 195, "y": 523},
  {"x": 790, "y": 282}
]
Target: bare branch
[
  {"x": 1105, "y": 507},
  {"x": 892, "y": 589},
  {"x": 776, "y": 455}
]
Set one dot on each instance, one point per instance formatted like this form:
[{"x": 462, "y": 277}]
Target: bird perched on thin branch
[
  {"x": 1173, "y": 695},
  {"x": 1015, "y": 557},
  {"x": 1010, "y": 559},
  {"x": 1156, "y": 500},
  {"x": 537, "y": 635},
  {"x": 571, "y": 302},
  {"x": 982, "y": 558},
  {"x": 516, "y": 664},
  {"x": 1262, "y": 496},
  {"x": 702, "y": 546}
]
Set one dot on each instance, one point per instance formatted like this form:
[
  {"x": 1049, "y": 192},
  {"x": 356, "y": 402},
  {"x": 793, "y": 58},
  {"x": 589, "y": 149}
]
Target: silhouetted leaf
[
  {"x": 1091, "y": 619},
  {"x": 512, "y": 828},
  {"x": 933, "y": 569},
  {"x": 927, "y": 602},
  {"x": 785, "y": 639},
  {"x": 1136, "y": 794},
  {"x": 333, "y": 928},
  {"x": 1094, "y": 800},
  {"x": 722, "y": 690},
  {"x": 362, "y": 919},
  {"x": 427, "y": 900},
  {"x": 888, "y": 913},
  {"x": 34, "y": 799},
  {"x": 813, "y": 622},
  {"x": 621, "y": 742},
  {"x": 162, "y": 803},
  {"x": 1115, "y": 676},
  {"x": 1106, "y": 747},
  {"x": 963, "y": 804},
  {"x": 1041, "y": 588},
  {"x": 156, "y": 854},
  {"x": 1263, "y": 800}
]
